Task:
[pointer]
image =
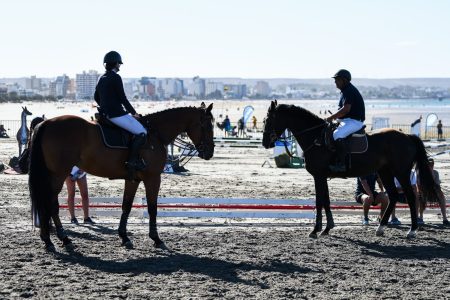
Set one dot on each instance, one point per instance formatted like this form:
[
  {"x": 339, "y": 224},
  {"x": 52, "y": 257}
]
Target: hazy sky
[{"x": 228, "y": 38}]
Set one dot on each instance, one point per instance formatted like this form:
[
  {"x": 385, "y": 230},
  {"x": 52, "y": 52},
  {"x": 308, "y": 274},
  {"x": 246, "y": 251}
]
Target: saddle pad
[
  {"x": 357, "y": 143},
  {"x": 114, "y": 137}
]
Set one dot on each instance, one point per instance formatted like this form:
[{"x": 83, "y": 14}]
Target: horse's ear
[
  {"x": 272, "y": 105},
  {"x": 276, "y": 103},
  {"x": 209, "y": 108},
  {"x": 203, "y": 105}
]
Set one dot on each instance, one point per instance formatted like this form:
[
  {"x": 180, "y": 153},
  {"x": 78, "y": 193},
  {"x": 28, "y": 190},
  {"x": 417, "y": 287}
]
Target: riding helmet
[
  {"x": 343, "y": 74},
  {"x": 112, "y": 57}
]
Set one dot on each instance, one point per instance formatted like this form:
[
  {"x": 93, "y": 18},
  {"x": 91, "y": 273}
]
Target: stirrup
[
  {"x": 338, "y": 168},
  {"x": 137, "y": 165}
]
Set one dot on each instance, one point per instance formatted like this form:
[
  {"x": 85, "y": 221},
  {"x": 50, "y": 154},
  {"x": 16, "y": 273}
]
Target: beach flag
[{"x": 248, "y": 111}]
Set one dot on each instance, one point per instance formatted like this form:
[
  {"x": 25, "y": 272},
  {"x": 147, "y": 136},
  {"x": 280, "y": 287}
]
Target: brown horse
[
  {"x": 23, "y": 132},
  {"x": 390, "y": 153},
  {"x": 62, "y": 142}
]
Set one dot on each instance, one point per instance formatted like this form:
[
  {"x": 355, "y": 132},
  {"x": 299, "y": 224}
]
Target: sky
[{"x": 232, "y": 38}]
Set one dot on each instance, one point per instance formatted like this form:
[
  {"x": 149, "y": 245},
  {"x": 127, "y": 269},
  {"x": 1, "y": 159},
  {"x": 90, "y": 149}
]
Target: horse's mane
[
  {"x": 299, "y": 113},
  {"x": 154, "y": 117}
]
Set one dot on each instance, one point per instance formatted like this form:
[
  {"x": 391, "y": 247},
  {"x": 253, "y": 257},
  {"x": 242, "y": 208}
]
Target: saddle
[
  {"x": 112, "y": 135},
  {"x": 355, "y": 143}
]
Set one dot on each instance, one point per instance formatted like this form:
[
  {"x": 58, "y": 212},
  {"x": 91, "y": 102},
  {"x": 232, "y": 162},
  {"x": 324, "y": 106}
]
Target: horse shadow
[
  {"x": 167, "y": 262},
  {"x": 95, "y": 228},
  {"x": 435, "y": 250}
]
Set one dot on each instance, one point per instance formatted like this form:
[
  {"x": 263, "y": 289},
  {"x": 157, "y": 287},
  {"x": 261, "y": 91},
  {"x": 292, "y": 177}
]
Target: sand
[{"x": 224, "y": 259}]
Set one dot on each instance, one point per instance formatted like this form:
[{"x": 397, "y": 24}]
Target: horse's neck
[
  {"x": 305, "y": 134},
  {"x": 173, "y": 130}
]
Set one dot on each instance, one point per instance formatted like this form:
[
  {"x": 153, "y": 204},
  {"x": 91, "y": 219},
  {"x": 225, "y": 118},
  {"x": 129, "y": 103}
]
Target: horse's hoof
[
  {"x": 325, "y": 232},
  {"x": 50, "y": 248},
  {"x": 69, "y": 246},
  {"x": 161, "y": 245},
  {"x": 411, "y": 234},
  {"x": 380, "y": 231},
  {"x": 313, "y": 235},
  {"x": 128, "y": 244}
]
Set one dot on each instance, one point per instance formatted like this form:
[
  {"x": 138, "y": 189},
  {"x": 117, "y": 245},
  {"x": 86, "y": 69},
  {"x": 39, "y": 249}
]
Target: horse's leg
[
  {"x": 411, "y": 197},
  {"x": 326, "y": 205},
  {"x": 321, "y": 188},
  {"x": 128, "y": 197},
  {"x": 57, "y": 184},
  {"x": 152, "y": 185},
  {"x": 44, "y": 224},
  {"x": 61, "y": 233},
  {"x": 388, "y": 181}
]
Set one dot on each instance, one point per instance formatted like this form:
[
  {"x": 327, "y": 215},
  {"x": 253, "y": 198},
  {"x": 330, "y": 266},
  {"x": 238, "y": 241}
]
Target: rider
[
  {"x": 110, "y": 96},
  {"x": 351, "y": 115}
]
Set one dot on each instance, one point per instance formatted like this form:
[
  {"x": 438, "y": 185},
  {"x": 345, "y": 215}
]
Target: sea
[{"x": 397, "y": 111}]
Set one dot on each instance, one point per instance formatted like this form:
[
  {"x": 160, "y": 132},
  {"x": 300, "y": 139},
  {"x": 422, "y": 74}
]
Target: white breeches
[
  {"x": 129, "y": 123},
  {"x": 346, "y": 127}
]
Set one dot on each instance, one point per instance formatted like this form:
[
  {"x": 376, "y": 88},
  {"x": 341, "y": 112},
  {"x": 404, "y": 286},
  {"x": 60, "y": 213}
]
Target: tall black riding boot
[
  {"x": 135, "y": 163},
  {"x": 341, "y": 152}
]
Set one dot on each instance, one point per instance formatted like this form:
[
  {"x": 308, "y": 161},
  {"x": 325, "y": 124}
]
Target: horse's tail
[
  {"x": 39, "y": 178},
  {"x": 427, "y": 184}
]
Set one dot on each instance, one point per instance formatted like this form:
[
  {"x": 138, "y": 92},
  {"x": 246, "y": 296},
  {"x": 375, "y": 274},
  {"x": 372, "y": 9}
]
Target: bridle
[
  {"x": 274, "y": 137},
  {"x": 202, "y": 146},
  {"x": 187, "y": 149}
]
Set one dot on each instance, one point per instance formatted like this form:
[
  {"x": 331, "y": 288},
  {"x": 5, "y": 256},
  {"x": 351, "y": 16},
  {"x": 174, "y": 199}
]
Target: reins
[{"x": 293, "y": 133}]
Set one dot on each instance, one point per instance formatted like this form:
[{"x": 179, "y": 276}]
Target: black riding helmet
[
  {"x": 112, "y": 57},
  {"x": 343, "y": 74}
]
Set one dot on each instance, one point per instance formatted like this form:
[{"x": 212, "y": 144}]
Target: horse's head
[
  {"x": 202, "y": 132},
  {"x": 26, "y": 111},
  {"x": 273, "y": 126}
]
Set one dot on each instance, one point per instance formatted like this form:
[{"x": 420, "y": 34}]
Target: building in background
[
  {"x": 33, "y": 83},
  {"x": 214, "y": 90},
  {"x": 172, "y": 88},
  {"x": 85, "y": 84},
  {"x": 262, "y": 89},
  {"x": 60, "y": 86},
  {"x": 235, "y": 91},
  {"x": 197, "y": 88}
]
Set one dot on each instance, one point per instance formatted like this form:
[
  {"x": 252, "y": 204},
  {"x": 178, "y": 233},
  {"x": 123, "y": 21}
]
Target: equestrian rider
[
  {"x": 351, "y": 116},
  {"x": 114, "y": 105}
]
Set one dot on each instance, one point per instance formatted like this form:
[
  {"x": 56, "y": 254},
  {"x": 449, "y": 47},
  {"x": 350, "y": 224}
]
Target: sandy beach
[{"x": 226, "y": 259}]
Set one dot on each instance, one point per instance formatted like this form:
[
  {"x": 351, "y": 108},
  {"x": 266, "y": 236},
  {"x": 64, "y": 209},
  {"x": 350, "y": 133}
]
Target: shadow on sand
[
  {"x": 170, "y": 261},
  {"x": 422, "y": 248}
]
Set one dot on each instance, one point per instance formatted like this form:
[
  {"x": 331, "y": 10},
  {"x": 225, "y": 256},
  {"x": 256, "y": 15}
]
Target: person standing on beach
[
  {"x": 78, "y": 176},
  {"x": 351, "y": 116},
  {"x": 114, "y": 105},
  {"x": 439, "y": 129}
]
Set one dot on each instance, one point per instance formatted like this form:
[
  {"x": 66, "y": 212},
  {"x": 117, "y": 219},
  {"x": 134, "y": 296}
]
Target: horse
[
  {"x": 23, "y": 132},
  {"x": 62, "y": 142},
  {"x": 391, "y": 153}
]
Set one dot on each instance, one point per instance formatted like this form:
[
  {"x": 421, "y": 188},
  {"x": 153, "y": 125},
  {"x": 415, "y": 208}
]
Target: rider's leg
[
  {"x": 129, "y": 123},
  {"x": 345, "y": 128}
]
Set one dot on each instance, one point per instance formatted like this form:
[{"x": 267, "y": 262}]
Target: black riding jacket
[{"x": 110, "y": 96}]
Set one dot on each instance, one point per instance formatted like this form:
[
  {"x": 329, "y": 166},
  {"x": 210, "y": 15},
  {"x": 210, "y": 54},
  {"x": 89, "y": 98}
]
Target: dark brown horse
[
  {"x": 62, "y": 142},
  {"x": 390, "y": 153}
]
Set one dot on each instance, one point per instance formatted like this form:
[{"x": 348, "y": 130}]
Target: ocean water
[{"x": 398, "y": 111}]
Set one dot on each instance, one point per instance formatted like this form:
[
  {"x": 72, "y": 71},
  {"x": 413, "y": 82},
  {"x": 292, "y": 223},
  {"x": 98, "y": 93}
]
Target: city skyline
[{"x": 246, "y": 39}]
